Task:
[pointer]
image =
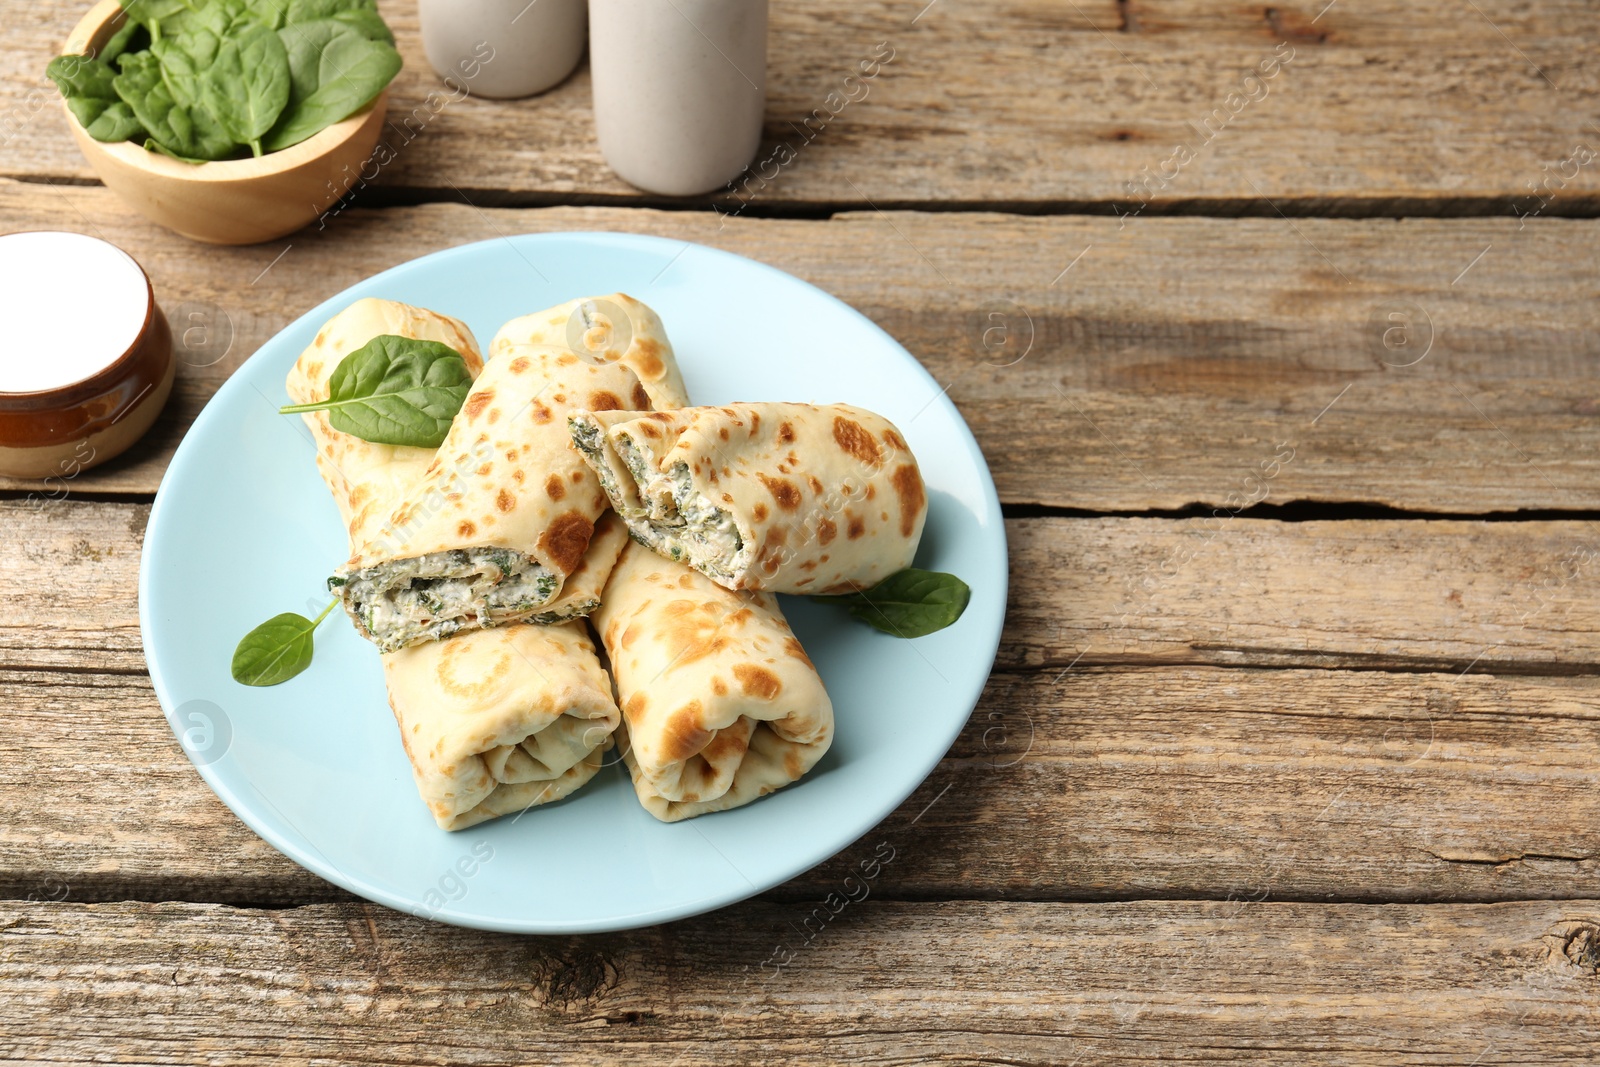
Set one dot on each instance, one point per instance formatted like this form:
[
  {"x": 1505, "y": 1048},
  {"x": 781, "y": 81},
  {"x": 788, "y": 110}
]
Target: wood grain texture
[
  {"x": 1239, "y": 790},
  {"x": 1382, "y": 107},
  {"x": 1178, "y": 361},
  {"x": 1440, "y": 595},
  {"x": 1497, "y": 597},
  {"x": 1089, "y": 785},
  {"x": 1153, "y": 776},
  {"x": 1157, "y": 775},
  {"x": 878, "y": 983}
]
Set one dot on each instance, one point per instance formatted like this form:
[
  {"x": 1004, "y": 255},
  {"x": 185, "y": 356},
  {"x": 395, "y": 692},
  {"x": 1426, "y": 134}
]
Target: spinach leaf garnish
[
  {"x": 911, "y": 603},
  {"x": 395, "y": 391},
  {"x": 277, "y": 650}
]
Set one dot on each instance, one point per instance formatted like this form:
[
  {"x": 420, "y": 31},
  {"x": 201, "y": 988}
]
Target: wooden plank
[
  {"x": 1177, "y": 361},
  {"x": 1412, "y": 595},
  {"x": 1431, "y": 595},
  {"x": 1165, "y": 780},
  {"x": 1084, "y": 784},
  {"x": 1384, "y": 108},
  {"x": 1245, "y": 785},
  {"x": 878, "y": 983}
]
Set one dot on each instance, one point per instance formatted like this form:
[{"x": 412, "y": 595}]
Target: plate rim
[{"x": 789, "y": 869}]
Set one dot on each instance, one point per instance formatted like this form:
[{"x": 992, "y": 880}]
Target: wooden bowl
[
  {"x": 229, "y": 202},
  {"x": 70, "y": 425}
]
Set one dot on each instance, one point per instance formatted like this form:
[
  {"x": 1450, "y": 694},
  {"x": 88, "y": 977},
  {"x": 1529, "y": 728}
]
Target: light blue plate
[{"x": 243, "y": 529}]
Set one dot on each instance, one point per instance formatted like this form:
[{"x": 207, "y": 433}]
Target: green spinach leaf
[
  {"x": 184, "y": 59},
  {"x": 366, "y": 22},
  {"x": 395, "y": 391},
  {"x": 199, "y": 80},
  {"x": 152, "y": 145},
  {"x": 911, "y": 603},
  {"x": 220, "y": 17},
  {"x": 186, "y": 132},
  {"x": 348, "y": 73},
  {"x": 121, "y": 41},
  {"x": 361, "y": 15},
  {"x": 272, "y": 14},
  {"x": 247, "y": 85},
  {"x": 277, "y": 650},
  {"x": 306, "y": 10},
  {"x": 81, "y": 76},
  {"x": 165, "y": 18},
  {"x": 86, "y": 85},
  {"x": 304, "y": 42},
  {"x": 146, "y": 12},
  {"x": 107, "y": 121}
]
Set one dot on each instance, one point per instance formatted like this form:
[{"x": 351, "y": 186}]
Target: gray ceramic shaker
[{"x": 679, "y": 89}]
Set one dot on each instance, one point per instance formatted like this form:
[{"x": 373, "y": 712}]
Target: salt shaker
[
  {"x": 503, "y": 48},
  {"x": 680, "y": 87}
]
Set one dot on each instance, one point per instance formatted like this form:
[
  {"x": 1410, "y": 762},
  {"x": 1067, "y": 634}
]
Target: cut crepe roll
[
  {"x": 787, "y": 498},
  {"x": 367, "y": 480},
  {"x": 495, "y": 720},
  {"x": 614, "y": 328},
  {"x": 501, "y": 517},
  {"x": 580, "y": 593},
  {"x": 720, "y": 703}
]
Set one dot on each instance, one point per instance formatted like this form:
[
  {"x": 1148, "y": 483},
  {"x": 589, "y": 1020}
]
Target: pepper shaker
[
  {"x": 680, "y": 87},
  {"x": 503, "y": 48}
]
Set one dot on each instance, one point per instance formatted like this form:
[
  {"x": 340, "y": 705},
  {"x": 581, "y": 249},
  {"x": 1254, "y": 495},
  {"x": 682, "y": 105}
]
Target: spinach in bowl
[{"x": 204, "y": 80}]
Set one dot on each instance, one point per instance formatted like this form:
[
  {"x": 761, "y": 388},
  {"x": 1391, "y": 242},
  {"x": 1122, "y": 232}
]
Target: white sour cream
[{"x": 72, "y": 305}]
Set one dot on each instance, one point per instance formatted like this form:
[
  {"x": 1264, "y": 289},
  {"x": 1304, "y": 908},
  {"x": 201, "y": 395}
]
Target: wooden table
[{"x": 1291, "y": 750}]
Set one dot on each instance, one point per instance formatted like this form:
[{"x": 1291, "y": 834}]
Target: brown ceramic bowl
[
  {"x": 59, "y": 431},
  {"x": 233, "y": 201}
]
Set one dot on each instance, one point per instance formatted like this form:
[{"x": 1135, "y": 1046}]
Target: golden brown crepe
[
  {"x": 494, "y": 721},
  {"x": 788, "y": 498},
  {"x": 613, "y": 328},
  {"x": 503, "y": 514},
  {"x": 720, "y": 703}
]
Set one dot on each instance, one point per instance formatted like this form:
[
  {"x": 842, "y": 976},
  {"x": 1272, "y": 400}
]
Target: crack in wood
[
  {"x": 1301, "y": 510},
  {"x": 1506, "y": 859},
  {"x": 1296, "y": 659},
  {"x": 1571, "y": 204},
  {"x": 1294, "y": 510}
]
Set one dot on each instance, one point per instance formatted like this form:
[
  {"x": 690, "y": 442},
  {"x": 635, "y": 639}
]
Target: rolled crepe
[
  {"x": 493, "y": 721},
  {"x": 501, "y": 517},
  {"x": 614, "y": 328},
  {"x": 787, "y": 498},
  {"x": 719, "y": 701}
]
